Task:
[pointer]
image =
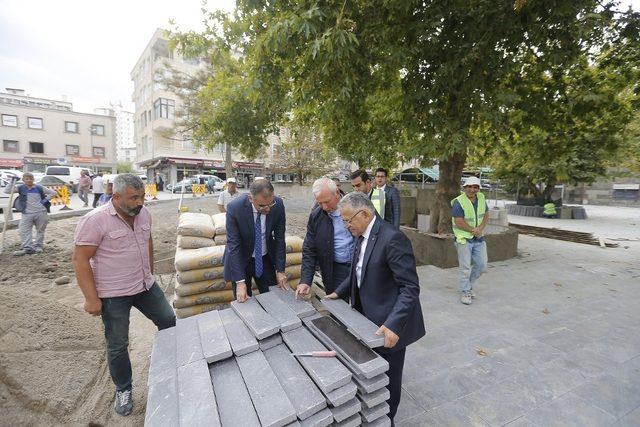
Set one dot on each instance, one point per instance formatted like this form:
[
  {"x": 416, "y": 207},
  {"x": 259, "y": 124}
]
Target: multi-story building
[
  {"x": 37, "y": 132},
  {"x": 125, "y": 139},
  {"x": 158, "y": 148}
]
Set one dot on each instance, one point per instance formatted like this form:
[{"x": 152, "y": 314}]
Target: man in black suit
[
  {"x": 327, "y": 243},
  {"x": 391, "y": 208},
  {"x": 383, "y": 285},
  {"x": 255, "y": 241}
]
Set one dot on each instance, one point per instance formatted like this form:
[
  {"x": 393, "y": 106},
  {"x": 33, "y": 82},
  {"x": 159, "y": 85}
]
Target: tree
[{"x": 124, "y": 167}]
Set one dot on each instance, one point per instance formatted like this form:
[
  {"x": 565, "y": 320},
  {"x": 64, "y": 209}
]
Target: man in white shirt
[
  {"x": 98, "y": 188},
  {"x": 230, "y": 193}
]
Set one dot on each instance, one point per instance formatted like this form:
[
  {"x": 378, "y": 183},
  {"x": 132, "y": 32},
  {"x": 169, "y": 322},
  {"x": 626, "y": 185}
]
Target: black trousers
[
  {"x": 96, "y": 197},
  {"x": 263, "y": 282},
  {"x": 340, "y": 273},
  {"x": 396, "y": 365}
]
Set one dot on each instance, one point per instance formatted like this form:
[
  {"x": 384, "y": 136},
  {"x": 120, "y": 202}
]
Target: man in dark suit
[
  {"x": 391, "y": 208},
  {"x": 255, "y": 241},
  {"x": 383, "y": 285},
  {"x": 327, "y": 243}
]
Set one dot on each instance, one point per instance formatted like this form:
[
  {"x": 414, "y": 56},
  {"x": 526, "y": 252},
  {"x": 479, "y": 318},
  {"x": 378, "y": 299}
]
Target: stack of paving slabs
[{"x": 234, "y": 367}]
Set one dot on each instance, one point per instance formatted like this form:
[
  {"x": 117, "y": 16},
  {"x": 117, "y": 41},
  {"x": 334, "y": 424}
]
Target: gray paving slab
[
  {"x": 371, "y": 400},
  {"x": 301, "y": 307},
  {"x": 213, "y": 338},
  {"x": 240, "y": 337},
  {"x": 369, "y": 385},
  {"x": 346, "y": 410},
  {"x": 163, "y": 356},
  {"x": 279, "y": 310},
  {"x": 363, "y": 328},
  {"x": 270, "y": 342},
  {"x": 382, "y": 421},
  {"x": 327, "y": 372},
  {"x": 300, "y": 389},
  {"x": 352, "y": 352},
  {"x": 230, "y": 390},
  {"x": 352, "y": 421},
  {"x": 569, "y": 410},
  {"x": 195, "y": 395},
  {"x": 342, "y": 395},
  {"x": 272, "y": 405},
  {"x": 259, "y": 322},
  {"x": 616, "y": 396},
  {"x": 293, "y": 424},
  {"x": 188, "y": 347},
  {"x": 162, "y": 402},
  {"x": 319, "y": 419},
  {"x": 371, "y": 414}
]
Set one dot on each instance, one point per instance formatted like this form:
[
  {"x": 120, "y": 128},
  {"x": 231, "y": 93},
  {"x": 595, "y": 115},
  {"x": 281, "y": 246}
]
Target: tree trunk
[
  {"x": 228, "y": 164},
  {"x": 548, "y": 190},
  {"x": 448, "y": 188}
]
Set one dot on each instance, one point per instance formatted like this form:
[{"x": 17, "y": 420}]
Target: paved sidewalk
[{"x": 551, "y": 339}]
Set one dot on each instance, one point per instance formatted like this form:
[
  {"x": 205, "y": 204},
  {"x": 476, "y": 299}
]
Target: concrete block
[
  {"x": 300, "y": 389},
  {"x": 279, "y": 310},
  {"x": 353, "y": 353},
  {"x": 301, "y": 307},
  {"x": 319, "y": 419},
  {"x": 230, "y": 391},
  {"x": 346, "y": 410},
  {"x": 327, "y": 372},
  {"x": 162, "y": 402},
  {"x": 383, "y": 421},
  {"x": 373, "y": 399},
  {"x": 269, "y": 398},
  {"x": 188, "y": 347},
  {"x": 163, "y": 356},
  {"x": 213, "y": 338},
  {"x": 240, "y": 337},
  {"x": 371, "y": 414},
  {"x": 195, "y": 395},
  {"x": 342, "y": 395},
  {"x": 363, "y": 328},
  {"x": 370, "y": 385},
  {"x": 259, "y": 322},
  {"x": 294, "y": 424},
  {"x": 270, "y": 342},
  {"x": 352, "y": 421}
]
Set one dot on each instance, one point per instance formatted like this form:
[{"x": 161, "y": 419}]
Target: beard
[{"x": 131, "y": 211}]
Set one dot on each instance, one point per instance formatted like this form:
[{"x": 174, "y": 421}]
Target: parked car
[{"x": 178, "y": 187}]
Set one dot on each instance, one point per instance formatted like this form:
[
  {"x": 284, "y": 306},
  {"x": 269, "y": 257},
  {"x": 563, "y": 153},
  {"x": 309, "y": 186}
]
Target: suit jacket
[
  {"x": 241, "y": 237},
  {"x": 389, "y": 287},
  {"x": 391, "y": 205},
  {"x": 318, "y": 247}
]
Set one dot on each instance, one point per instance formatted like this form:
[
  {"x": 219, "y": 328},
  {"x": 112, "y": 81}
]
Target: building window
[
  {"x": 9, "y": 120},
  {"x": 11, "y": 146},
  {"x": 71, "y": 127},
  {"x": 143, "y": 119},
  {"x": 98, "y": 151},
  {"x": 73, "y": 150},
  {"x": 164, "y": 108},
  {"x": 34, "y": 123},
  {"x": 97, "y": 130},
  {"x": 36, "y": 147},
  {"x": 625, "y": 194}
]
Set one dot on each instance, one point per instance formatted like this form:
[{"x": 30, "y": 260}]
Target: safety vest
[
  {"x": 377, "y": 198},
  {"x": 549, "y": 209},
  {"x": 470, "y": 216}
]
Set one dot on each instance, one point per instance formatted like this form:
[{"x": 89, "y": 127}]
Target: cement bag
[
  {"x": 183, "y": 313},
  {"x": 294, "y": 258},
  {"x": 200, "y": 275},
  {"x": 293, "y": 284},
  {"x": 220, "y": 223},
  {"x": 220, "y": 239},
  {"x": 293, "y": 272},
  {"x": 193, "y": 259},
  {"x": 184, "y": 289},
  {"x": 293, "y": 244},
  {"x": 192, "y": 242},
  {"x": 212, "y": 297},
  {"x": 195, "y": 224}
]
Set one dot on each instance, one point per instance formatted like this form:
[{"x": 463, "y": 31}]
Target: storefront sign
[
  {"x": 185, "y": 161},
  {"x": 84, "y": 160},
  {"x": 40, "y": 160},
  {"x": 213, "y": 164},
  {"x": 11, "y": 163},
  {"x": 248, "y": 165}
]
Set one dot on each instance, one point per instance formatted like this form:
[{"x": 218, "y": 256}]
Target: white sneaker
[
  {"x": 38, "y": 250},
  {"x": 473, "y": 295},
  {"x": 465, "y": 298}
]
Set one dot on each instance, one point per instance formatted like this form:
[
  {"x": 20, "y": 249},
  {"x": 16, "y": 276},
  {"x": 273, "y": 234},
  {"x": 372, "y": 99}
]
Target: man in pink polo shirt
[{"x": 113, "y": 259}]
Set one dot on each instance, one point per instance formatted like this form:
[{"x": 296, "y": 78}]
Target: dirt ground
[{"x": 52, "y": 355}]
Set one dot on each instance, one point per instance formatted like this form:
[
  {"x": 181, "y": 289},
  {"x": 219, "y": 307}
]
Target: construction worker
[
  {"x": 469, "y": 220},
  {"x": 550, "y": 210}
]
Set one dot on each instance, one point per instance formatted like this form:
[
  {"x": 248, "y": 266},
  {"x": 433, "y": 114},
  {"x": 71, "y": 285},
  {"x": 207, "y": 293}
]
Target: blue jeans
[
  {"x": 472, "y": 259},
  {"x": 115, "y": 316}
]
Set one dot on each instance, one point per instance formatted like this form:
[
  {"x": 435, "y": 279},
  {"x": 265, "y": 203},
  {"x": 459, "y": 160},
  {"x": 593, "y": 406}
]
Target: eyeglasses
[
  {"x": 348, "y": 221},
  {"x": 263, "y": 207}
]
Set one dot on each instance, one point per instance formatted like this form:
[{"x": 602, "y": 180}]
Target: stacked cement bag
[
  {"x": 195, "y": 230},
  {"x": 220, "y": 228},
  {"x": 293, "y": 263}
]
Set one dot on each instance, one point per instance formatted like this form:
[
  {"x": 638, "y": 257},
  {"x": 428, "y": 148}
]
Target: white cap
[
  {"x": 259, "y": 177},
  {"x": 231, "y": 180},
  {"x": 472, "y": 180}
]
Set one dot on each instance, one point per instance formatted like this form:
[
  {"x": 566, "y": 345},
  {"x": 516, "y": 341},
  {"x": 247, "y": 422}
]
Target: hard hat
[{"x": 472, "y": 180}]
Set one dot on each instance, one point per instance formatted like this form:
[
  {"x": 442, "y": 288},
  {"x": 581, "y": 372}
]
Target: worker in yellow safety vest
[
  {"x": 469, "y": 218},
  {"x": 550, "y": 210}
]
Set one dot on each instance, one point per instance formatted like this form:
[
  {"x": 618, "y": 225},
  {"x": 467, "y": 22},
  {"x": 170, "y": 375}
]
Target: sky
[{"x": 85, "y": 49}]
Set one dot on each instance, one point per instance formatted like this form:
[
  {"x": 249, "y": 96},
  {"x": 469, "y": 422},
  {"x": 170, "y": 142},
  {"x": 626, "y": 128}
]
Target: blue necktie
[{"x": 257, "y": 252}]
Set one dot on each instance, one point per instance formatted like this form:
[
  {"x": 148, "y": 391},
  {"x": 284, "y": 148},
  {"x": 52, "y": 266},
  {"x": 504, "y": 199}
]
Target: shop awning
[{"x": 11, "y": 163}]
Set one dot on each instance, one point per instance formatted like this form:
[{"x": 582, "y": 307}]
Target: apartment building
[
  {"x": 37, "y": 132},
  {"x": 125, "y": 138}
]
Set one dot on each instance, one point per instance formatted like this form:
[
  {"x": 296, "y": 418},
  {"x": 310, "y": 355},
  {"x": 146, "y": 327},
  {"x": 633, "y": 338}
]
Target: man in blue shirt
[{"x": 327, "y": 243}]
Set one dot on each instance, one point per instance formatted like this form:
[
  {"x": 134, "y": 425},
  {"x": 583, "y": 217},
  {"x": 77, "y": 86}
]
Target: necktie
[
  {"x": 355, "y": 291},
  {"x": 257, "y": 251}
]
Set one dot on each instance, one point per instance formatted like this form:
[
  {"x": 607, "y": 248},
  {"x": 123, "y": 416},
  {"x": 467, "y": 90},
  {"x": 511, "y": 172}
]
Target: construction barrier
[
  {"x": 198, "y": 189},
  {"x": 150, "y": 190},
  {"x": 62, "y": 197}
]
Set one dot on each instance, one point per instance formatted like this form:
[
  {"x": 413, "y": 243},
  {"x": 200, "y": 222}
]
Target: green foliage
[{"x": 124, "y": 167}]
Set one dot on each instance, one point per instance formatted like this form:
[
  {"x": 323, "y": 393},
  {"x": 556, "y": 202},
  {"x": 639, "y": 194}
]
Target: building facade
[
  {"x": 125, "y": 137},
  {"x": 37, "y": 132}
]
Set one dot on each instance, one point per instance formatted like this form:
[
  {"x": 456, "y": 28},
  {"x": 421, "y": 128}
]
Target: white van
[{"x": 69, "y": 174}]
